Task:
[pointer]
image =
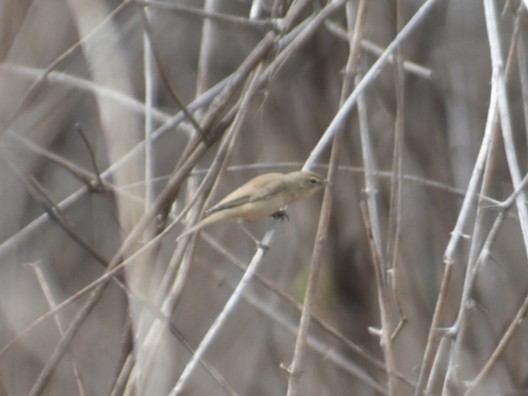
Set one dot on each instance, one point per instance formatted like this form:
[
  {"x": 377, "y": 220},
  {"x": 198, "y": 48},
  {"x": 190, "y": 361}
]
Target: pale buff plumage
[{"x": 262, "y": 197}]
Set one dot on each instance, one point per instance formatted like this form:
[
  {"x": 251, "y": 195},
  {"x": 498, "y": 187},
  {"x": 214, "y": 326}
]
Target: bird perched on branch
[{"x": 262, "y": 196}]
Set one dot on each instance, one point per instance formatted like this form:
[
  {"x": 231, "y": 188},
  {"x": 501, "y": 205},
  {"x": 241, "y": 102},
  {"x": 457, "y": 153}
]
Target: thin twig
[
  {"x": 123, "y": 362},
  {"x": 263, "y": 25},
  {"x": 206, "y": 54},
  {"x": 383, "y": 301},
  {"x": 440, "y": 356},
  {"x": 522, "y": 62},
  {"x": 434, "y": 333},
  {"x": 87, "y": 178},
  {"x": 396, "y": 205},
  {"x": 71, "y": 81},
  {"x": 369, "y": 210},
  {"x": 91, "y": 153},
  {"x": 369, "y": 46},
  {"x": 278, "y": 8},
  {"x": 149, "y": 80}
]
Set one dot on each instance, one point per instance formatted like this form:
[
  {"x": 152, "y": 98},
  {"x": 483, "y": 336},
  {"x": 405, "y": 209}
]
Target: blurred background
[{"x": 123, "y": 120}]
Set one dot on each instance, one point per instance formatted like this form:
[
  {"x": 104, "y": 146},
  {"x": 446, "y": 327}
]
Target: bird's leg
[
  {"x": 259, "y": 244},
  {"x": 281, "y": 215}
]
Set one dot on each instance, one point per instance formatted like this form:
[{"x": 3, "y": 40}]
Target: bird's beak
[{"x": 327, "y": 182}]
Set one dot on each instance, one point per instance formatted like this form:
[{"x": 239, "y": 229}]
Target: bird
[{"x": 263, "y": 196}]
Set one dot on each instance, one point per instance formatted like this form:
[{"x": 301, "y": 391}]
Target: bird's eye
[{"x": 313, "y": 181}]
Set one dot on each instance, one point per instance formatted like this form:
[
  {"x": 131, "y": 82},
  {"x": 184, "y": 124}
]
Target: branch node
[{"x": 375, "y": 331}]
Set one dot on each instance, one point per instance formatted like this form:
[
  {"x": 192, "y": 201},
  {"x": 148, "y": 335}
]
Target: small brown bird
[{"x": 263, "y": 196}]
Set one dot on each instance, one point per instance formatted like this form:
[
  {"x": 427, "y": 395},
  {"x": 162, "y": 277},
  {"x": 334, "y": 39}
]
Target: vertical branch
[
  {"x": 206, "y": 48},
  {"x": 372, "y": 224},
  {"x": 257, "y": 9},
  {"x": 443, "y": 349},
  {"x": 522, "y": 62},
  {"x": 371, "y": 219},
  {"x": 504, "y": 111},
  {"x": 399, "y": 128},
  {"x": 149, "y": 124},
  {"x": 434, "y": 336},
  {"x": 371, "y": 185},
  {"x": 395, "y": 209},
  {"x": 277, "y": 10},
  {"x": 137, "y": 353}
]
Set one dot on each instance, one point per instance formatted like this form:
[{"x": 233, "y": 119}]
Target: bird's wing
[
  {"x": 229, "y": 204},
  {"x": 249, "y": 193}
]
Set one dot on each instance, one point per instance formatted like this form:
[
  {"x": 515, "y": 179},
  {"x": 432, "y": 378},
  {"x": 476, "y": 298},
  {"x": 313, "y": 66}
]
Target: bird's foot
[{"x": 281, "y": 215}]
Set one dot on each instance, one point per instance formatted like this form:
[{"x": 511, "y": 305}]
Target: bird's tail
[{"x": 213, "y": 218}]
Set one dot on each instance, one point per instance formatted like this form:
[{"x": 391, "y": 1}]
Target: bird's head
[{"x": 306, "y": 182}]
